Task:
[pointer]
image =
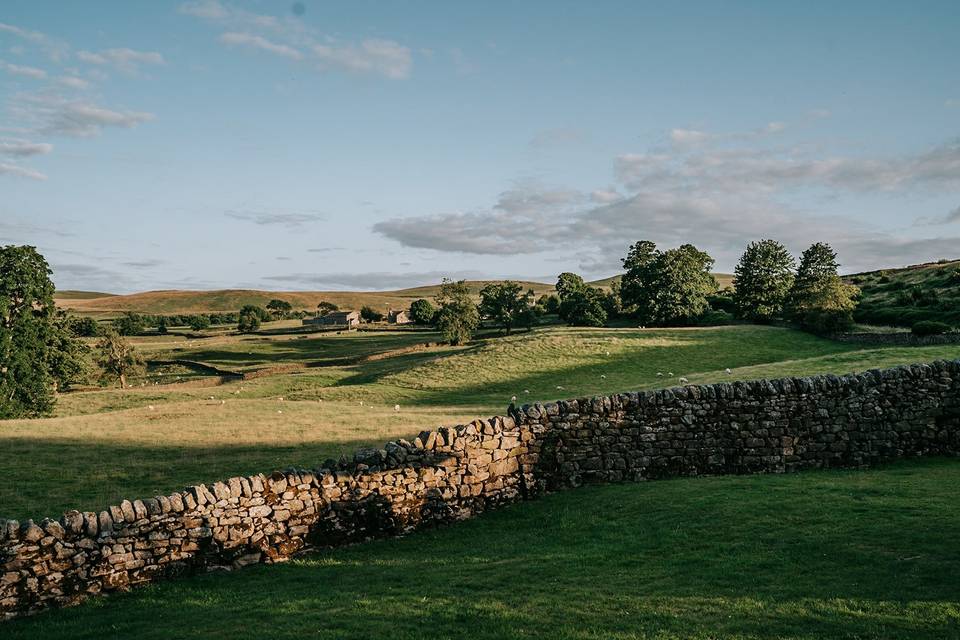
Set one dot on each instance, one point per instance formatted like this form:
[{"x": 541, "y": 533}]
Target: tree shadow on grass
[
  {"x": 45, "y": 477},
  {"x": 757, "y": 557}
]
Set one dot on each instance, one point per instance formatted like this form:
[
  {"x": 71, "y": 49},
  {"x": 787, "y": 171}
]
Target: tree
[
  {"x": 586, "y": 308},
  {"x": 68, "y": 356},
  {"x": 200, "y": 322},
  {"x": 118, "y": 358},
  {"x": 762, "y": 280},
  {"x": 666, "y": 287},
  {"x": 550, "y": 303},
  {"x": 506, "y": 304},
  {"x": 262, "y": 314},
  {"x": 324, "y": 307},
  {"x": 818, "y": 299},
  {"x": 130, "y": 324},
  {"x": 369, "y": 314},
  {"x": 568, "y": 285},
  {"x": 84, "y": 327},
  {"x": 162, "y": 325},
  {"x": 422, "y": 311},
  {"x": 249, "y": 320},
  {"x": 37, "y": 351},
  {"x": 279, "y": 308},
  {"x": 457, "y": 317}
]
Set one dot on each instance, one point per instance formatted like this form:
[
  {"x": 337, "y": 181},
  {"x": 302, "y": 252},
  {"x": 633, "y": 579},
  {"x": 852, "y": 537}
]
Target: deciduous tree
[
  {"x": 457, "y": 317},
  {"x": 762, "y": 280}
]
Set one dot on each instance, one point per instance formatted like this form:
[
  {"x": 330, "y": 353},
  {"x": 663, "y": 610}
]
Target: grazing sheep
[
  {"x": 670, "y": 373},
  {"x": 279, "y": 411},
  {"x": 526, "y": 390},
  {"x": 603, "y": 376},
  {"x": 281, "y": 398},
  {"x": 727, "y": 371},
  {"x": 513, "y": 398},
  {"x": 396, "y": 407},
  {"x": 659, "y": 374},
  {"x": 683, "y": 380},
  {"x": 150, "y": 407}
]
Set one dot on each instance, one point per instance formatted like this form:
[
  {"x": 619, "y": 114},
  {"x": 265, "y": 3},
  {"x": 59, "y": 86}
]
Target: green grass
[
  {"x": 107, "y": 445},
  {"x": 839, "y": 554},
  {"x": 887, "y": 297}
]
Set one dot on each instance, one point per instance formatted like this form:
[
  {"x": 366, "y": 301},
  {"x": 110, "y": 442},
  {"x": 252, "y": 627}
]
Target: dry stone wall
[{"x": 453, "y": 473}]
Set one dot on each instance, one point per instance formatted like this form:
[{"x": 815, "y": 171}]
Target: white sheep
[
  {"x": 683, "y": 380},
  {"x": 513, "y": 398},
  {"x": 603, "y": 376},
  {"x": 559, "y": 388},
  {"x": 659, "y": 374},
  {"x": 727, "y": 371},
  {"x": 396, "y": 407}
]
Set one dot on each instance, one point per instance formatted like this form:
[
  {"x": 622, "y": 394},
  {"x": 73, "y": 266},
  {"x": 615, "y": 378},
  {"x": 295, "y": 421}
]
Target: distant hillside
[
  {"x": 182, "y": 302},
  {"x": 902, "y": 297},
  {"x": 81, "y": 295},
  {"x": 170, "y": 302},
  {"x": 723, "y": 279}
]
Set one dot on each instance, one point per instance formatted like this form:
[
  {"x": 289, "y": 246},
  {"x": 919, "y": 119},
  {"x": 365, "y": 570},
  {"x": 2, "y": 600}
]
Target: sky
[{"x": 375, "y": 145}]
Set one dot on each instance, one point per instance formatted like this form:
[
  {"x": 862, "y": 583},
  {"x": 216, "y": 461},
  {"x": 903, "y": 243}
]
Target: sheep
[
  {"x": 150, "y": 407},
  {"x": 513, "y": 398},
  {"x": 727, "y": 371},
  {"x": 683, "y": 380},
  {"x": 603, "y": 376},
  {"x": 396, "y": 407},
  {"x": 659, "y": 374},
  {"x": 559, "y": 388}
]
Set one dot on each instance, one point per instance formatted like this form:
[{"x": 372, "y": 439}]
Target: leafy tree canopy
[
  {"x": 507, "y": 304},
  {"x": 666, "y": 287},
  {"x": 422, "y": 311},
  {"x": 762, "y": 280},
  {"x": 457, "y": 317}
]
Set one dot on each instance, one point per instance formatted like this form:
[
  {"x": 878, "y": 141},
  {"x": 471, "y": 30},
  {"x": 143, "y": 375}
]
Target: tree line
[{"x": 673, "y": 287}]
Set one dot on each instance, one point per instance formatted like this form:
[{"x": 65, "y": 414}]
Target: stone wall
[{"x": 454, "y": 473}]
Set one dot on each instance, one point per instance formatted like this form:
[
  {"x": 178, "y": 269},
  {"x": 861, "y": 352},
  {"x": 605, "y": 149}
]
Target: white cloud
[
  {"x": 383, "y": 57},
  {"x": 22, "y": 148},
  {"x": 56, "y": 115},
  {"x": 291, "y": 38},
  {"x": 688, "y": 136},
  {"x": 128, "y": 60},
  {"x": 26, "y": 34},
  {"x": 21, "y": 172},
  {"x": 718, "y": 199},
  {"x": 774, "y": 127},
  {"x": 73, "y": 82},
  {"x": 259, "y": 42},
  {"x": 20, "y": 70},
  {"x": 605, "y": 196},
  {"x": 292, "y": 220}
]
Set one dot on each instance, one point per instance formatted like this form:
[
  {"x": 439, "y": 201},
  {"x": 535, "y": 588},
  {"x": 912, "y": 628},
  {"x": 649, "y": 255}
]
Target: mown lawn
[
  {"x": 108, "y": 445},
  {"x": 837, "y": 554}
]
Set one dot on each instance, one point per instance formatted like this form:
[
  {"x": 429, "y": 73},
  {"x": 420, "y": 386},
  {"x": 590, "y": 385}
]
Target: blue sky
[{"x": 374, "y": 145}]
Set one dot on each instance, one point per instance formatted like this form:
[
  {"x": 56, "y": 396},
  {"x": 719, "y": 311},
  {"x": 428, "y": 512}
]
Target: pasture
[
  {"x": 838, "y": 554},
  {"x": 105, "y": 445}
]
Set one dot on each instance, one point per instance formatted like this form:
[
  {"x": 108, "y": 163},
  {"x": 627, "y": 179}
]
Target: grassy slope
[
  {"x": 879, "y": 304},
  {"x": 107, "y": 445},
  {"x": 175, "y": 302},
  {"x": 839, "y": 554}
]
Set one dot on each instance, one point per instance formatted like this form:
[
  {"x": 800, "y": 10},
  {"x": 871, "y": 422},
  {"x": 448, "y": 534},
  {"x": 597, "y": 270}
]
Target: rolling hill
[
  {"x": 175, "y": 301},
  {"x": 902, "y": 297}
]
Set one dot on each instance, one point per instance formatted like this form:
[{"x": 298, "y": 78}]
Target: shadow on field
[
  {"x": 848, "y": 554},
  {"x": 45, "y": 477}
]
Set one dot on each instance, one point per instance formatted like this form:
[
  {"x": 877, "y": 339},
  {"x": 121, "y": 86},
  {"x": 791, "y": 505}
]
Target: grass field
[
  {"x": 838, "y": 554},
  {"x": 106, "y": 445},
  {"x": 902, "y": 297}
]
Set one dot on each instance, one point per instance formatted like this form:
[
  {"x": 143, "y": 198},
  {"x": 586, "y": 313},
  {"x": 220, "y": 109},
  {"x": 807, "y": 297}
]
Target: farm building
[
  {"x": 399, "y": 317},
  {"x": 336, "y": 318}
]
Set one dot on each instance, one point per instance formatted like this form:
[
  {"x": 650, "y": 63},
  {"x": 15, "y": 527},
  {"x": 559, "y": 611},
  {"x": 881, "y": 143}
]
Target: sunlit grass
[{"x": 839, "y": 554}]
